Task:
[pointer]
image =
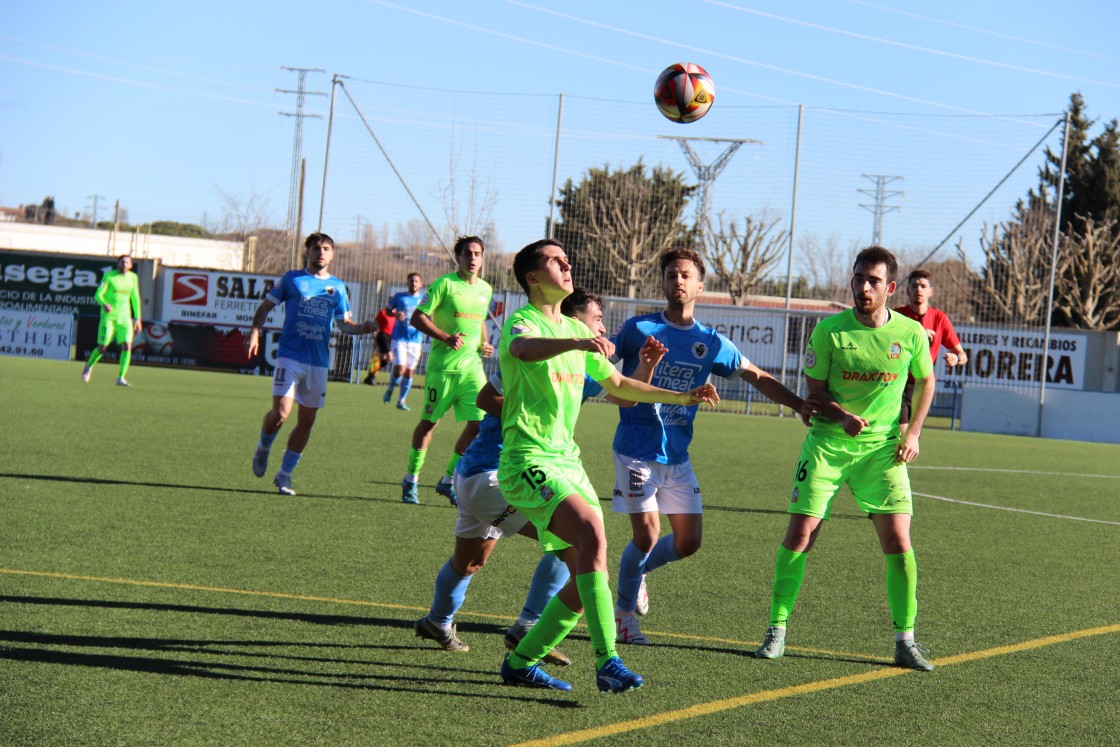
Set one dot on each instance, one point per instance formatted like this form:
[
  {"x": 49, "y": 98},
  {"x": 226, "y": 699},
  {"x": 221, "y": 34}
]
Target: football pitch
[{"x": 152, "y": 591}]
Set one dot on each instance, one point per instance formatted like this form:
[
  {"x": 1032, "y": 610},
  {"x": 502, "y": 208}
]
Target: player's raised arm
[
  {"x": 771, "y": 387},
  {"x": 536, "y": 349},
  {"x": 639, "y": 391}
]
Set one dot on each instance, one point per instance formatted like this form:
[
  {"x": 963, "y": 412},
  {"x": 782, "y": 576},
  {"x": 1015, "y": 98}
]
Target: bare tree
[
  {"x": 468, "y": 205},
  {"x": 826, "y": 266},
  {"x": 741, "y": 260},
  {"x": 615, "y": 225},
  {"x": 1087, "y": 292},
  {"x": 243, "y": 217},
  {"x": 1014, "y": 284}
]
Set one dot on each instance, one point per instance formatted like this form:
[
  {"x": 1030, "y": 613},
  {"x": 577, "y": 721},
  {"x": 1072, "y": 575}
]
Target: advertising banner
[
  {"x": 191, "y": 345},
  {"x": 1003, "y": 357},
  {"x": 51, "y": 284},
  {"x": 36, "y": 334},
  {"x": 205, "y": 346},
  {"x": 220, "y": 298}
]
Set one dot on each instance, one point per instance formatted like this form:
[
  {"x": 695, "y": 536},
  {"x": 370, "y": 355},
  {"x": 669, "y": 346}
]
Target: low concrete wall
[{"x": 1068, "y": 414}]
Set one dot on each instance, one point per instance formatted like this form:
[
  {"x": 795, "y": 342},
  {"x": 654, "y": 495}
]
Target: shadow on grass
[
  {"x": 29, "y": 647},
  {"x": 436, "y": 500}
]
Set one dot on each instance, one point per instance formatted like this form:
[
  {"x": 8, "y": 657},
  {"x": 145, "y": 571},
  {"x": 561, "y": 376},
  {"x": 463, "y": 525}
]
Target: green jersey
[
  {"x": 866, "y": 369},
  {"x": 455, "y": 305},
  {"x": 121, "y": 290},
  {"x": 542, "y": 399}
]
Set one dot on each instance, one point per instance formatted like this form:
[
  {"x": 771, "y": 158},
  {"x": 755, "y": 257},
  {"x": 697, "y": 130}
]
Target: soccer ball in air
[
  {"x": 157, "y": 338},
  {"x": 684, "y": 92}
]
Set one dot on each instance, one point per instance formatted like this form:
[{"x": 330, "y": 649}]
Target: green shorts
[
  {"x": 537, "y": 489},
  {"x": 458, "y": 389},
  {"x": 110, "y": 331},
  {"x": 880, "y": 484}
]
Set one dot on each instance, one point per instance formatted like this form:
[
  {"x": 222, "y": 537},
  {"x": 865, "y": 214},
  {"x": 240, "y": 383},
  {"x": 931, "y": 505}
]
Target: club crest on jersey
[
  {"x": 330, "y": 290},
  {"x": 896, "y": 350},
  {"x": 547, "y": 493},
  {"x": 424, "y": 300},
  {"x": 699, "y": 349},
  {"x": 810, "y": 358},
  {"x": 519, "y": 329}
]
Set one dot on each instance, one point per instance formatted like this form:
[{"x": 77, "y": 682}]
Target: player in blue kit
[
  {"x": 484, "y": 515},
  {"x": 407, "y": 341},
  {"x": 653, "y": 473},
  {"x": 313, "y": 300}
]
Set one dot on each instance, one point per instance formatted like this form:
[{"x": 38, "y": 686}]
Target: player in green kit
[
  {"x": 119, "y": 298},
  {"x": 856, "y": 365},
  {"x": 545, "y": 359},
  {"x": 452, "y": 313}
]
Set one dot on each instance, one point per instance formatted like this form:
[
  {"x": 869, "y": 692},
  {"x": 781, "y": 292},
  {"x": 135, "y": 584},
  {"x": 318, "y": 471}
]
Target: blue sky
[{"x": 165, "y": 106}]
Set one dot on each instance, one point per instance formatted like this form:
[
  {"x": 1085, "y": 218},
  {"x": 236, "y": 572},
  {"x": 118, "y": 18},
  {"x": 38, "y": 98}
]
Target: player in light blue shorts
[
  {"x": 313, "y": 300},
  {"x": 653, "y": 473}
]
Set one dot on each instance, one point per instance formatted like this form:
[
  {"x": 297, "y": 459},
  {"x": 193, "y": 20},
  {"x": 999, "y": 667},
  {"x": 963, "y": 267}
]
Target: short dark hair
[
  {"x": 580, "y": 299},
  {"x": 919, "y": 275},
  {"x": 463, "y": 242},
  {"x": 412, "y": 275},
  {"x": 124, "y": 256},
  {"x": 317, "y": 239},
  {"x": 874, "y": 255},
  {"x": 529, "y": 259},
  {"x": 672, "y": 255}
]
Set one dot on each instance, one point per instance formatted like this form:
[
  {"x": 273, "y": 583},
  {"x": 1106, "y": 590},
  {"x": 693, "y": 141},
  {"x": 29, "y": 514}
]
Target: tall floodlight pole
[
  {"x": 294, "y": 191},
  {"x": 706, "y": 174},
  {"x": 880, "y": 206}
]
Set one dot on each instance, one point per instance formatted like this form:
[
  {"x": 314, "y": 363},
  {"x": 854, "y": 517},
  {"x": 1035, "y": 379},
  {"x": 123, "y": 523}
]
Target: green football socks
[
  {"x": 555, "y": 624},
  {"x": 94, "y": 358},
  {"x": 789, "y": 571},
  {"x": 452, "y": 464},
  {"x": 126, "y": 358},
  {"x": 598, "y": 605},
  {"x": 902, "y": 590},
  {"x": 416, "y": 461}
]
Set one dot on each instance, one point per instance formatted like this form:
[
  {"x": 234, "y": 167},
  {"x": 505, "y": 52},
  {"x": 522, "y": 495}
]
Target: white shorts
[
  {"x": 483, "y": 512},
  {"x": 306, "y": 384},
  {"x": 642, "y": 487},
  {"x": 406, "y": 353}
]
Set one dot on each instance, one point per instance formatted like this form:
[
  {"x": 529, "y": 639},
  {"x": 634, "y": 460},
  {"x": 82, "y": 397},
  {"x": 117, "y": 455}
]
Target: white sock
[{"x": 908, "y": 636}]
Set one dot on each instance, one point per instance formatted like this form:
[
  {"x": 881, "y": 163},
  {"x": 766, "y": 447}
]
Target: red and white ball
[
  {"x": 684, "y": 92},
  {"x": 157, "y": 338}
]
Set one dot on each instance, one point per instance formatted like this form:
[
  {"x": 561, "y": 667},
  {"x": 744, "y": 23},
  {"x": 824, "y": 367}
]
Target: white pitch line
[
  {"x": 1016, "y": 510},
  {"x": 1012, "y": 471}
]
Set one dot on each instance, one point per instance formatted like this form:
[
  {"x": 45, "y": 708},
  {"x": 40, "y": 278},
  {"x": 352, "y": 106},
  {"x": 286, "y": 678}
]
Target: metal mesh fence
[{"x": 788, "y": 194}]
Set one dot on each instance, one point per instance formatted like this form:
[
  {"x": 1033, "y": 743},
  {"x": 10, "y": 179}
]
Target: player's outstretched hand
[
  {"x": 651, "y": 352},
  {"x": 854, "y": 425},
  {"x": 705, "y": 393},
  {"x": 596, "y": 345}
]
